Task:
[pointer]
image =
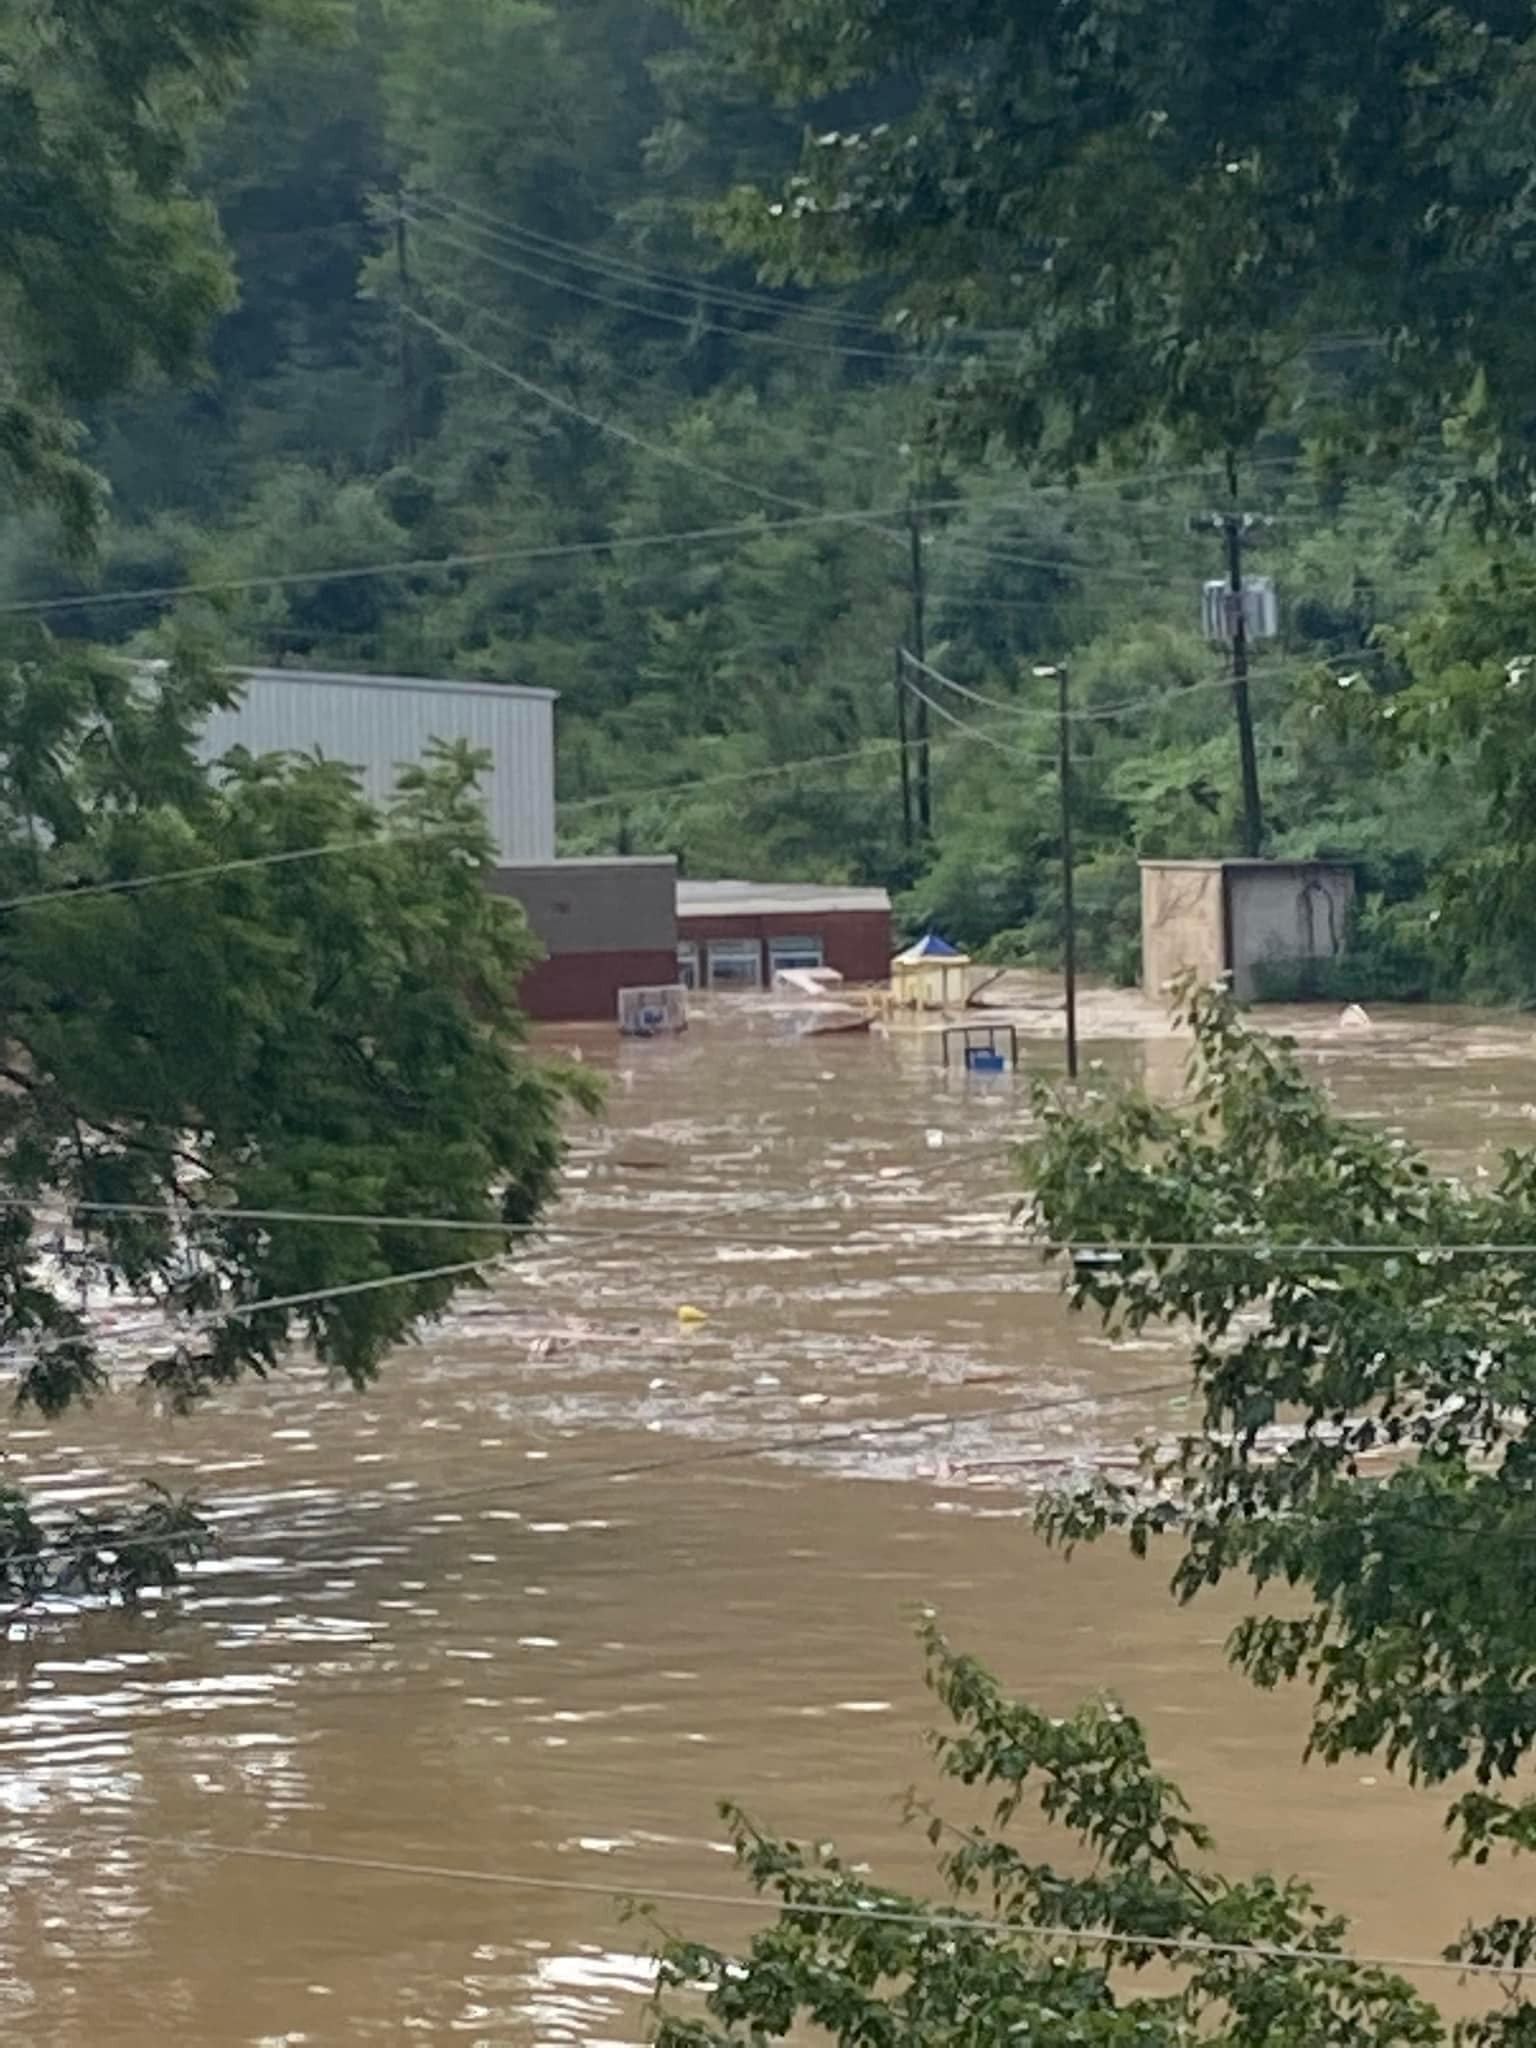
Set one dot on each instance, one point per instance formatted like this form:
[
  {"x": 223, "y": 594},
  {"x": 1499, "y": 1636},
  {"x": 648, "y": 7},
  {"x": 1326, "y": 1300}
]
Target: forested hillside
[{"x": 491, "y": 316}]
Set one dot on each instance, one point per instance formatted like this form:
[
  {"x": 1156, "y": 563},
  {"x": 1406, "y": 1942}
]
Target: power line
[
  {"x": 485, "y": 1227},
  {"x": 673, "y": 283},
  {"x": 426, "y": 564},
  {"x": 1062, "y": 565},
  {"x": 133, "y": 884},
  {"x": 871, "y": 1911},
  {"x": 74, "y": 891},
  {"x": 661, "y": 790},
  {"x": 975, "y": 732},
  {"x": 758, "y": 336},
  {"x": 1269, "y": 1249},
  {"x": 240, "y": 1311},
  {"x": 1261, "y": 1248},
  {"x": 622, "y": 433},
  {"x": 1094, "y": 713}
]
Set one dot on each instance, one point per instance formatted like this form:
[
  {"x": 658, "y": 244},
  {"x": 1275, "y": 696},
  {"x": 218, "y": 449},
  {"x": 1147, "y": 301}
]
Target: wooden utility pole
[
  {"x": 1234, "y": 526},
  {"x": 920, "y": 653},
  {"x": 905, "y": 744},
  {"x": 1068, "y": 903},
  {"x": 1253, "y": 813}
]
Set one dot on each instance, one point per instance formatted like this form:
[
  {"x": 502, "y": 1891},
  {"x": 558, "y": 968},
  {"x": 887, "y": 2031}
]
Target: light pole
[{"x": 1068, "y": 910}]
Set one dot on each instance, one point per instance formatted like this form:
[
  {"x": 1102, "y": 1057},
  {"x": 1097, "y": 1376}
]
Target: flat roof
[
  {"x": 590, "y": 860},
  {"x": 1257, "y": 864},
  {"x": 350, "y": 680},
  {"x": 775, "y": 899}
]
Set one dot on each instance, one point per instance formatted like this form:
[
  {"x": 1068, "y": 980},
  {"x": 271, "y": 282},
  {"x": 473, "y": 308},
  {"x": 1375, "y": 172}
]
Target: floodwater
[{"x": 574, "y": 1571}]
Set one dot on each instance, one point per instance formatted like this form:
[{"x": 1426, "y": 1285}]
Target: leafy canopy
[
  {"x": 1165, "y": 207},
  {"x": 1364, "y": 1431},
  {"x": 108, "y": 266},
  {"x": 331, "y": 1034},
  {"x": 935, "y": 1975}
]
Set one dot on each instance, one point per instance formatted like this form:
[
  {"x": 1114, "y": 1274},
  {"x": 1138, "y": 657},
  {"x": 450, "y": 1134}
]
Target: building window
[
  {"x": 688, "y": 963},
  {"x": 790, "y": 952},
  {"x": 735, "y": 963}
]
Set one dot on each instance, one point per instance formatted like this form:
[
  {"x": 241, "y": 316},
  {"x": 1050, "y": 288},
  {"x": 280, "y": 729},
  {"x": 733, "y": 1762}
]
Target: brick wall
[
  {"x": 856, "y": 942},
  {"x": 583, "y": 988}
]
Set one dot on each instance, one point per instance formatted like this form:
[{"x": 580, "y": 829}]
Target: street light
[{"x": 1044, "y": 671}]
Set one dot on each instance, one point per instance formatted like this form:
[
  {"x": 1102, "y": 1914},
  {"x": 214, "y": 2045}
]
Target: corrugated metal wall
[{"x": 381, "y": 723}]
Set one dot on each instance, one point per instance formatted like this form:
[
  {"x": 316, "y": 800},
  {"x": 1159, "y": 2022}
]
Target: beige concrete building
[{"x": 1237, "y": 917}]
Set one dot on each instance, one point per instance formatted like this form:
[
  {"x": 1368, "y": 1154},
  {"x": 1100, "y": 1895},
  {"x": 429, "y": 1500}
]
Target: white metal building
[{"x": 380, "y": 724}]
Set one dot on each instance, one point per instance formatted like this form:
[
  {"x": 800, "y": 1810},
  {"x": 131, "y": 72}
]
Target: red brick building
[
  {"x": 605, "y": 924},
  {"x": 737, "y": 935}
]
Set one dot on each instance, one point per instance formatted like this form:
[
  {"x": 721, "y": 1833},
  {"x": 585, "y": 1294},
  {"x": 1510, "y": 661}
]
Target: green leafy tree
[
  {"x": 1165, "y": 212},
  {"x": 997, "y": 1962},
  {"x": 108, "y": 267},
  {"x": 1363, "y": 1430},
  {"x": 275, "y": 1032}
]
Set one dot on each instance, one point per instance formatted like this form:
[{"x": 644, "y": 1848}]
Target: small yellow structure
[{"x": 930, "y": 975}]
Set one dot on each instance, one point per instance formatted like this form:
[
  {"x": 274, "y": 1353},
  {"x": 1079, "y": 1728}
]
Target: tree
[
  {"x": 868, "y": 1965},
  {"x": 283, "y": 1030},
  {"x": 1363, "y": 1341},
  {"x": 108, "y": 268},
  {"x": 1164, "y": 212}
]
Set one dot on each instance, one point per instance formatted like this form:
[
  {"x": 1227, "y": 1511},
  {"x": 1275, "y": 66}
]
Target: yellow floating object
[{"x": 691, "y": 1315}]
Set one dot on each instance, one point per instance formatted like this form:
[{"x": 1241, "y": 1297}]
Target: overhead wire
[
  {"x": 426, "y": 564},
  {"x": 658, "y": 792},
  {"x": 548, "y": 1226},
  {"x": 937, "y": 1920},
  {"x": 1263, "y": 1247},
  {"x": 131, "y": 884},
  {"x": 671, "y": 283},
  {"x": 975, "y": 732},
  {"x": 697, "y": 284},
  {"x": 1090, "y": 714},
  {"x": 654, "y": 792},
  {"x": 242, "y": 1311},
  {"x": 858, "y": 1435},
  {"x": 759, "y": 337},
  {"x": 662, "y": 453}
]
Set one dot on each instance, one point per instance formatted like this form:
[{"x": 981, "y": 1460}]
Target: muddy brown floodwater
[{"x": 573, "y": 1571}]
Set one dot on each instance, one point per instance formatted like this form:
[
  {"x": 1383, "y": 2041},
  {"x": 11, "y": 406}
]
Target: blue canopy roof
[{"x": 931, "y": 947}]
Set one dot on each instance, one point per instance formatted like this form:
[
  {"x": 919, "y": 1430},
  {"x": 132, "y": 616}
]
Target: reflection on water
[{"x": 572, "y": 1570}]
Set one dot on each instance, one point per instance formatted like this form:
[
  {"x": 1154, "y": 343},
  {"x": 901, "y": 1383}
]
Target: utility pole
[
  {"x": 1233, "y": 526},
  {"x": 1253, "y": 814},
  {"x": 1068, "y": 904},
  {"x": 920, "y": 652},
  {"x": 407, "y": 358},
  {"x": 905, "y": 744}
]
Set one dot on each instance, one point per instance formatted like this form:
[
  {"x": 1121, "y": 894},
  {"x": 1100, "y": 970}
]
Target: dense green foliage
[
  {"x": 485, "y": 313},
  {"x": 333, "y": 1033},
  {"x": 271, "y": 1034},
  {"x": 869, "y": 1965},
  {"x": 1165, "y": 213},
  {"x": 228, "y": 995},
  {"x": 1364, "y": 1430}
]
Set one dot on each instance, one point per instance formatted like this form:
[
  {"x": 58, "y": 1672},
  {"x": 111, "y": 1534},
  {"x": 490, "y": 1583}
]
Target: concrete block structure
[
  {"x": 738, "y": 935},
  {"x": 1239, "y": 917}
]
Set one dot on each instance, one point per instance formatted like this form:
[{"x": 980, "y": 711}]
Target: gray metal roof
[
  {"x": 775, "y": 899},
  {"x": 352, "y": 680},
  {"x": 1213, "y": 864}
]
